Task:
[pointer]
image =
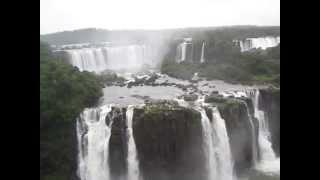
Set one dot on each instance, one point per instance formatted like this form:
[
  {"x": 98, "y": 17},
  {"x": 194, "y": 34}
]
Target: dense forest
[
  {"x": 64, "y": 93},
  {"x": 93, "y": 35},
  {"x": 226, "y": 62}
]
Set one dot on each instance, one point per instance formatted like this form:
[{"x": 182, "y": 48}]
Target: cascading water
[
  {"x": 222, "y": 147},
  {"x": 254, "y": 137},
  {"x": 216, "y": 145},
  {"x": 183, "y": 51},
  {"x": 208, "y": 145},
  {"x": 87, "y": 59},
  {"x": 93, "y": 139},
  {"x": 268, "y": 160},
  {"x": 260, "y": 42},
  {"x": 202, "y": 60},
  {"x": 132, "y": 160},
  {"x": 130, "y": 58}
]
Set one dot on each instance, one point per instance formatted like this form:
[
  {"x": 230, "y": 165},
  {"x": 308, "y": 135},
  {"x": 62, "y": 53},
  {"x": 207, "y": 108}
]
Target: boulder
[{"x": 190, "y": 97}]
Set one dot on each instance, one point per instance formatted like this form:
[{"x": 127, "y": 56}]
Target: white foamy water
[
  {"x": 268, "y": 163},
  {"x": 94, "y": 144},
  {"x": 208, "y": 145},
  {"x": 181, "y": 52},
  {"x": 260, "y": 42},
  {"x": 216, "y": 145},
  {"x": 132, "y": 159},
  {"x": 126, "y": 58},
  {"x": 202, "y": 60},
  {"x": 221, "y": 146}
]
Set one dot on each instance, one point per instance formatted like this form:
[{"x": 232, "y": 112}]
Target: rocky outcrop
[
  {"x": 190, "y": 97},
  {"x": 110, "y": 78},
  {"x": 118, "y": 142},
  {"x": 270, "y": 103},
  {"x": 235, "y": 113},
  {"x": 169, "y": 140}
]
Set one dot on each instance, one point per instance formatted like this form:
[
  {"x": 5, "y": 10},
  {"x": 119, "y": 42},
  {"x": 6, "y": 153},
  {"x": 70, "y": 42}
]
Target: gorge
[
  {"x": 215, "y": 136},
  {"x": 151, "y": 125}
]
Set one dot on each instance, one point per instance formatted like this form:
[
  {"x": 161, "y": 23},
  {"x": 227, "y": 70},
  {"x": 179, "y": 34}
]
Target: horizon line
[{"x": 153, "y": 29}]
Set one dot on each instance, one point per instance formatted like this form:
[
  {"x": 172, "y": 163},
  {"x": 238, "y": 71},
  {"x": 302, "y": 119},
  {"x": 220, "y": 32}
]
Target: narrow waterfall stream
[
  {"x": 254, "y": 137},
  {"x": 93, "y": 139},
  {"x": 202, "y": 59},
  {"x": 132, "y": 160}
]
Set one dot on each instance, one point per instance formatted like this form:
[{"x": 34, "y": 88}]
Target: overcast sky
[{"x": 60, "y": 15}]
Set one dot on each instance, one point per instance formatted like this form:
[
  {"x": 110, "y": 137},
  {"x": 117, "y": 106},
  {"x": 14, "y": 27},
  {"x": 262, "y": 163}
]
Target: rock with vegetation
[
  {"x": 235, "y": 113},
  {"x": 110, "y": 78},
  {"x": 169, "y": 139},
  {"x": 118, "y": 142},
  {"x": 190, "y": 97},
  {"x": 254, "y": 67}
]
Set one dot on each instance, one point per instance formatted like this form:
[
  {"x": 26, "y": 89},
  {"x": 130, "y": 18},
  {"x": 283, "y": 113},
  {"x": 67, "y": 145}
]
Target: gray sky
[{"x": 60, "y": 15}]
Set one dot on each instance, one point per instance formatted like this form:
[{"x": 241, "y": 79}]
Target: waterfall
[
  {"x": 254, "y": 137},
  {"x": 208, "y": 145},
  {"x": 132, "y": 160},
  {"x": 93, "y": 144},
  {"x": 202, "y": 60},
  {"x": 268, "y": 161},
  {"x": 183, "y": 51},
  {"x": 221, "y": 147},
  {"x": 216, "y": 145},
  {"x": 130, "y": 58},
  {"x": 260, "y": 42}
]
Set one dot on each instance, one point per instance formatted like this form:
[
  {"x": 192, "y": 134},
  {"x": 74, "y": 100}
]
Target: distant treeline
[
  {"x": 229, "y": 64},
  {"x": 93, "y": 35}
]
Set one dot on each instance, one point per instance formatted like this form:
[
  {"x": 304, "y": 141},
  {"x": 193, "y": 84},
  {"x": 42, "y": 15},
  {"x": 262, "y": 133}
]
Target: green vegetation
[
  {"x": 257, "y": 67},
  {"x": 64, "y": 93},
  {"x": 210, "y": 34},
  {"x": 162, "y": 110}
]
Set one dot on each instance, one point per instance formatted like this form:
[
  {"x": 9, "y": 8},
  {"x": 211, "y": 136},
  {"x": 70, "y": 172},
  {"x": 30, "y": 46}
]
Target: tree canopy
[{"x": 64, "y": 93}]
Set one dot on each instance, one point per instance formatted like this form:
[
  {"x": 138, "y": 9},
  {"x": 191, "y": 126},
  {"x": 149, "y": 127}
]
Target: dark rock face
[
  {"x": 190, "y": 97},
  {"x": 235, "y": 114},
  {"x": 197, "y": 46},
  {"x": 169, "y": 142},
  {"x": 270, "y": 103},
  {"x": 118, "y": 143},
  {"x": 215, "y": 98},
  {"x": 254, "y": 175}
]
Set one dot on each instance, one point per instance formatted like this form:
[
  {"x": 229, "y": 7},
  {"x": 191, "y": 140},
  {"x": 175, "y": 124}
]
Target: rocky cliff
[
  {"x": 270, "y": 103},
  {"x": 169, "y": 142},
  {"x": 235, "y": 113}
]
